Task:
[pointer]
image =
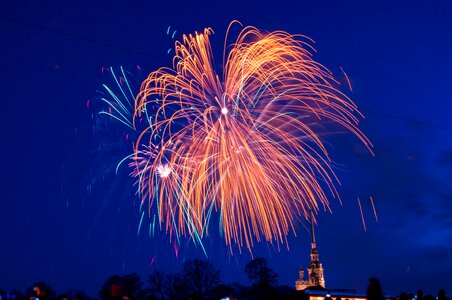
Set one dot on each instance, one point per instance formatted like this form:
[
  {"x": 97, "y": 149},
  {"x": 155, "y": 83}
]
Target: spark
[
  {"x": 362, "y": 215},
  {"x": 373, "y": 207},
  {"x": 141, "y": 222},
  {"x": 348, "y": 80}
]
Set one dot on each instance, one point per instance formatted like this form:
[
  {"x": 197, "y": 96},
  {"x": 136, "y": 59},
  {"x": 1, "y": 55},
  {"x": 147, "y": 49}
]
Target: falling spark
[
  {"x": 362, "y": 215},
  {"x": 141, "y": 222},
  {"x": 348, "y": 80},
  {"x": 373, "y": 207},
  {"x": 176, "y": 250}
]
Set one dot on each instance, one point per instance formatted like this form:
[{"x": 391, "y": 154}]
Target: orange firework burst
[{"x": 245, "y": 144}]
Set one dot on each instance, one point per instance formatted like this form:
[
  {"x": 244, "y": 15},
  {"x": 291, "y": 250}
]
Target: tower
[{"x": 315, "y": 269}]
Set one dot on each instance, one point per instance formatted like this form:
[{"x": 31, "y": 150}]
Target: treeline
[{"x": 197, "y": 280}]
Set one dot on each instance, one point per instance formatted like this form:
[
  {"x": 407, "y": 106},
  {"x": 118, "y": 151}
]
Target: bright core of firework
[
  {"x": 224, "y": 110},
  {"x": 163, "y": 170},
  {"x": 261, "y": 168}
]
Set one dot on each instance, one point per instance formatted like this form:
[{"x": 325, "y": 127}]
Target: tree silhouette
[
  {"x": 133, "y": 287},
  {"x": 157, "y": 282},
  {"x": 176, "y": 287},
  {"x": 111, "y": 288},
  {"x": 260, "y": 274},
  {"x": 201, "y": 277},
  {"x": 72, "y": 294},
  {"x": 169, "y": 286},
  {"x": 116, "y": 287}
]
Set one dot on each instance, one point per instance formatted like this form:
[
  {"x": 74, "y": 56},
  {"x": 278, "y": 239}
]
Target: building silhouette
[{"x": 315, "y": 269}]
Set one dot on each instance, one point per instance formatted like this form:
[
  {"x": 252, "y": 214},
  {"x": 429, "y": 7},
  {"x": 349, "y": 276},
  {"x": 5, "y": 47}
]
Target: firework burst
[{"x": 245, "y": 143}]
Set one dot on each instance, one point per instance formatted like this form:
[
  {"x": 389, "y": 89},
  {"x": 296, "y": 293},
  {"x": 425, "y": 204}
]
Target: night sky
[{"x": 68, "y": 220}]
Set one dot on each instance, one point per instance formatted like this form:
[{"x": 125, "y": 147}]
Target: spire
[
  {"x": 312, "y": 231},
  {"x": 315, "y": 269}
]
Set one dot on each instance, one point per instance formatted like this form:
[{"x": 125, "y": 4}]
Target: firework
[{"x": 245, "y": 143}]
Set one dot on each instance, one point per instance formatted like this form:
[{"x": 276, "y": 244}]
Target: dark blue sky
[{"x": 65, "y": 218}]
